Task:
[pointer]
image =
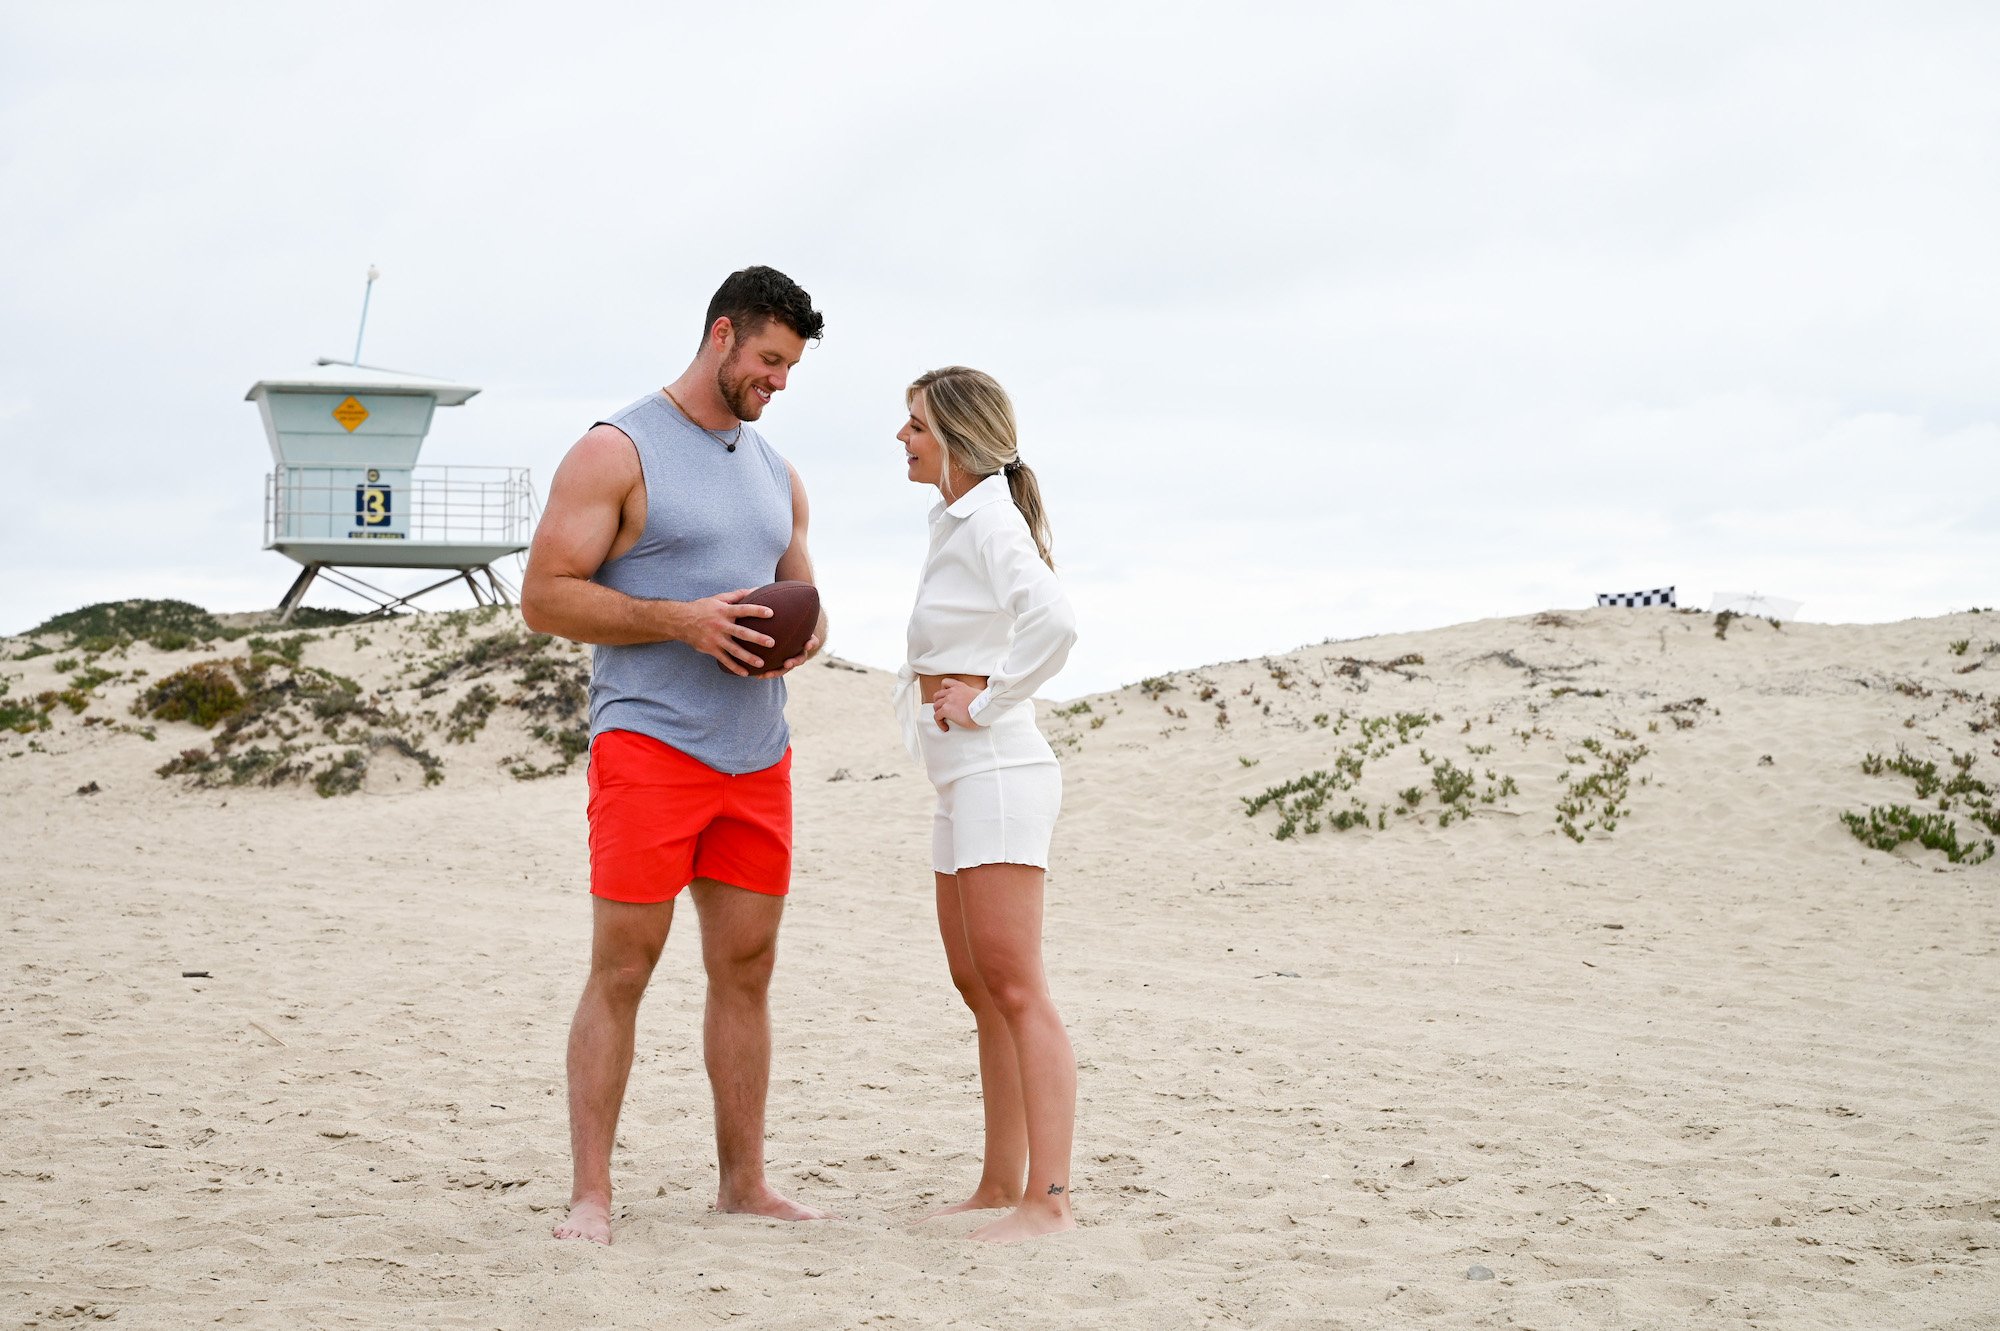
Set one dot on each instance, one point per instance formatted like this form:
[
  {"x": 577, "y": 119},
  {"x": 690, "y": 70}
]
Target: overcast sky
[{"x": 1321, "y": 319}]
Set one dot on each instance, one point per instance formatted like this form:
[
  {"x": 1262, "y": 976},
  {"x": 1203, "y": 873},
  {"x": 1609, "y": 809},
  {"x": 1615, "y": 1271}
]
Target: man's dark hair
[{"x": 753, "y": 297}]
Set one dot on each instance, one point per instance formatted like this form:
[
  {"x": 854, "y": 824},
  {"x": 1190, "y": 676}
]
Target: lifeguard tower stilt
[{"x": 347, "y": 492}]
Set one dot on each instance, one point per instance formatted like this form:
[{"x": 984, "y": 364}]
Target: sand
[{"x": 1720, "y": 1066}]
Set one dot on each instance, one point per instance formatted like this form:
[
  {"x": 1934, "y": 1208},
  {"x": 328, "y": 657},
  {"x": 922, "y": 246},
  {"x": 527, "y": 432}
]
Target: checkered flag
[{"x": 1657, "y": 596}]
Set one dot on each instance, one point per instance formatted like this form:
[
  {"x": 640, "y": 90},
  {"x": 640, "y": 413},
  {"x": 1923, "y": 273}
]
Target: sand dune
[{"x": 1709, "y": 1062}]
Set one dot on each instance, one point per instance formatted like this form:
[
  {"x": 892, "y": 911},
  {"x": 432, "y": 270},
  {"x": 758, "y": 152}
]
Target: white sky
[{"x": 1321, "y": 319}]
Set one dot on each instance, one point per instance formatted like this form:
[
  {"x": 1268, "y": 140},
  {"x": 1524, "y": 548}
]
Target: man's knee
[
  {"x": 622, "y": 980},
  {"x": 742, "y": 967},
  {"x": 626, "y": 942}
]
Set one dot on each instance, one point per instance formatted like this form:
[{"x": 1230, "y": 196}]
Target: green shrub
[
  {"x": 24, "y": 718},
  {"x": 318, "y": 617},
  {"x": 126, "y": 620},
  {"x": 570, "y": 742},
  {"x": 1923, "y": 772},
  {"x": 433, "y": 766},
  {"x": 343, "y": 775},
  {"x": 287, "y": 649},
  {"x": 203, "y": 693},
  {"x": 1453, "y": 784},
  {"x": 469, "y": 717}
]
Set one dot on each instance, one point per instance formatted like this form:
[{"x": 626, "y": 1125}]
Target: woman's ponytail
[{"x": 1028, "y": 498}]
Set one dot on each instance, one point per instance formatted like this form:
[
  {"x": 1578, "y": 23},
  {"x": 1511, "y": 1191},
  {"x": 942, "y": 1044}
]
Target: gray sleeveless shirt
[{"x": 715, "y": 521}]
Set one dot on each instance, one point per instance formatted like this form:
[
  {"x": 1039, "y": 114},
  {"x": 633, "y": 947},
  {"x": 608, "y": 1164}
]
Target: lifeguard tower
[{"x": 347, "y": 493}]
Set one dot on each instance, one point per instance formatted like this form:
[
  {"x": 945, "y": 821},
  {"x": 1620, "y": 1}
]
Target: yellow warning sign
[{"x": 350, "y": 413}]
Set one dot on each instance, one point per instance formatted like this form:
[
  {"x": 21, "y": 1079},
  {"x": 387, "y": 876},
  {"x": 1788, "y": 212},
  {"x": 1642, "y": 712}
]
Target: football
[{"x": 794, "y": 610}]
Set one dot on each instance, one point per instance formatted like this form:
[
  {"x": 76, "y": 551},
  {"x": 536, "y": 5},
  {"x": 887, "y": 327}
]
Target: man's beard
[{"x": 743, "y": 404}]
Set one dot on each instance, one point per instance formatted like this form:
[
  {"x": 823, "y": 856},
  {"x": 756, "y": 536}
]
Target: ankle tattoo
[{"x": 1057, "y": 1189}]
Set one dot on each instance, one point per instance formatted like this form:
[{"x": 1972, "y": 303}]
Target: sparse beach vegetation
[
  {"x": 470, "y": 714},
  {"x": 1685, "y": 714},
  {"x": 279, "y": 721},
  {"x": 23, "y": 718},
  {"x": 90, "y": 677},
  {"x": 551, "y": 688},
  {"x": 1885, "y": 827},
  {"x": 1598, "y": 797},
  {"x": 1302, "y": 803},
  {"x": 1948, "y": 780}
]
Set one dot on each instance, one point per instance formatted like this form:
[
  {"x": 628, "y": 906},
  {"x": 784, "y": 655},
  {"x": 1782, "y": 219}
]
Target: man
[{"x": 659, "y": 521}]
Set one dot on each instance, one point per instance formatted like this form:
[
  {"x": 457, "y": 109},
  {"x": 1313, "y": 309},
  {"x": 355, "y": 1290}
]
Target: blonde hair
[{"x": 973, "y": 419}]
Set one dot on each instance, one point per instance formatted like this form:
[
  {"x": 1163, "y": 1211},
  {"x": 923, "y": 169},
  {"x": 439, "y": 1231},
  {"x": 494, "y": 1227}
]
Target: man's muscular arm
[{"x": 577, "y": 531}]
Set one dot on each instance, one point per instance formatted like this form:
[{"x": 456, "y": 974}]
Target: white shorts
[{"x": 999, "y": 791}]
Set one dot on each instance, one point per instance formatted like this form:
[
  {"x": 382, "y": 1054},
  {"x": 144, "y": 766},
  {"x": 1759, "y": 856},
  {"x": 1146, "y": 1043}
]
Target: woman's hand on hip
[{"x": 952, "y": 703}]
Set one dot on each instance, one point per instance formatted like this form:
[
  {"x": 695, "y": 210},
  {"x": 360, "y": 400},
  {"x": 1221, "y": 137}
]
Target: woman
[{"x": 992, "y": 625}]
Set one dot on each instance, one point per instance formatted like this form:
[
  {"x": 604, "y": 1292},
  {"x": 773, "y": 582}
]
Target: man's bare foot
[
  {"x": 980, "y": 1200},
  {"x": 767, "y": 1202},
  {"x": 588, "y": 1219},
  {"x": 1026, "y": 1222}
]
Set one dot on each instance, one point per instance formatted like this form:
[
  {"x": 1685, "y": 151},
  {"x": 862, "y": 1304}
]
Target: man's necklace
[{"x": 716, "y": 435}]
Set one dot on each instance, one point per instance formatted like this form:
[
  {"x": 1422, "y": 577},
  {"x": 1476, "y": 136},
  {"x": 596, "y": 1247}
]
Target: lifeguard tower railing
[
  {"x": 442, "y": 505},
  {"x": 461, "y": 518}
]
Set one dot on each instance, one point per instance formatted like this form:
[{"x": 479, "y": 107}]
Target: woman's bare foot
[
  {"x": 588, "y": 1219},
  {"x": 1026, "y": 1222},
  {"x": 982, "y": 1199},
  {"x": 766, "y": 1202}
]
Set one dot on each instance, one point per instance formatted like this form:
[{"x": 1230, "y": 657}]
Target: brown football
[{"x": 794, "y": 610}]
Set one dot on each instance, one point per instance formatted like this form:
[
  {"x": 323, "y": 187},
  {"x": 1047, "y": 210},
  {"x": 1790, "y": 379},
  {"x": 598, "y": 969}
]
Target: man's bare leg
[
  {"x": 1006, "y": 1156},
  {"x": 1003, "y": 927},
  {"x": 625, "y": 944},
  {"x": 739, "y": 944}
]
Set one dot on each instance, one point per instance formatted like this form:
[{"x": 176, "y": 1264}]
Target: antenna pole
[{"x": 366, "y": 292}]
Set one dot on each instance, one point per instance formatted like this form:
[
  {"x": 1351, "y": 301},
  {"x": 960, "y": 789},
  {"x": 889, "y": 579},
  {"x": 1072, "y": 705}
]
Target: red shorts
[{"x": 660, "y": 819}]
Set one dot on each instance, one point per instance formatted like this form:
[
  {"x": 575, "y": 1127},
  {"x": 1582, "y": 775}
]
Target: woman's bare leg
[
  {"x": 1006, "y": 1156},
  {"x": 1002, "y": 908}
]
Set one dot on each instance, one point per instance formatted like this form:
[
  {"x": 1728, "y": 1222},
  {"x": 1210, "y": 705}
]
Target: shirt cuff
[{"x": 978, "y": 706}]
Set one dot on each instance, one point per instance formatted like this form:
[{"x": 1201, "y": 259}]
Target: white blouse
[{"x": 986, "y": 605}]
